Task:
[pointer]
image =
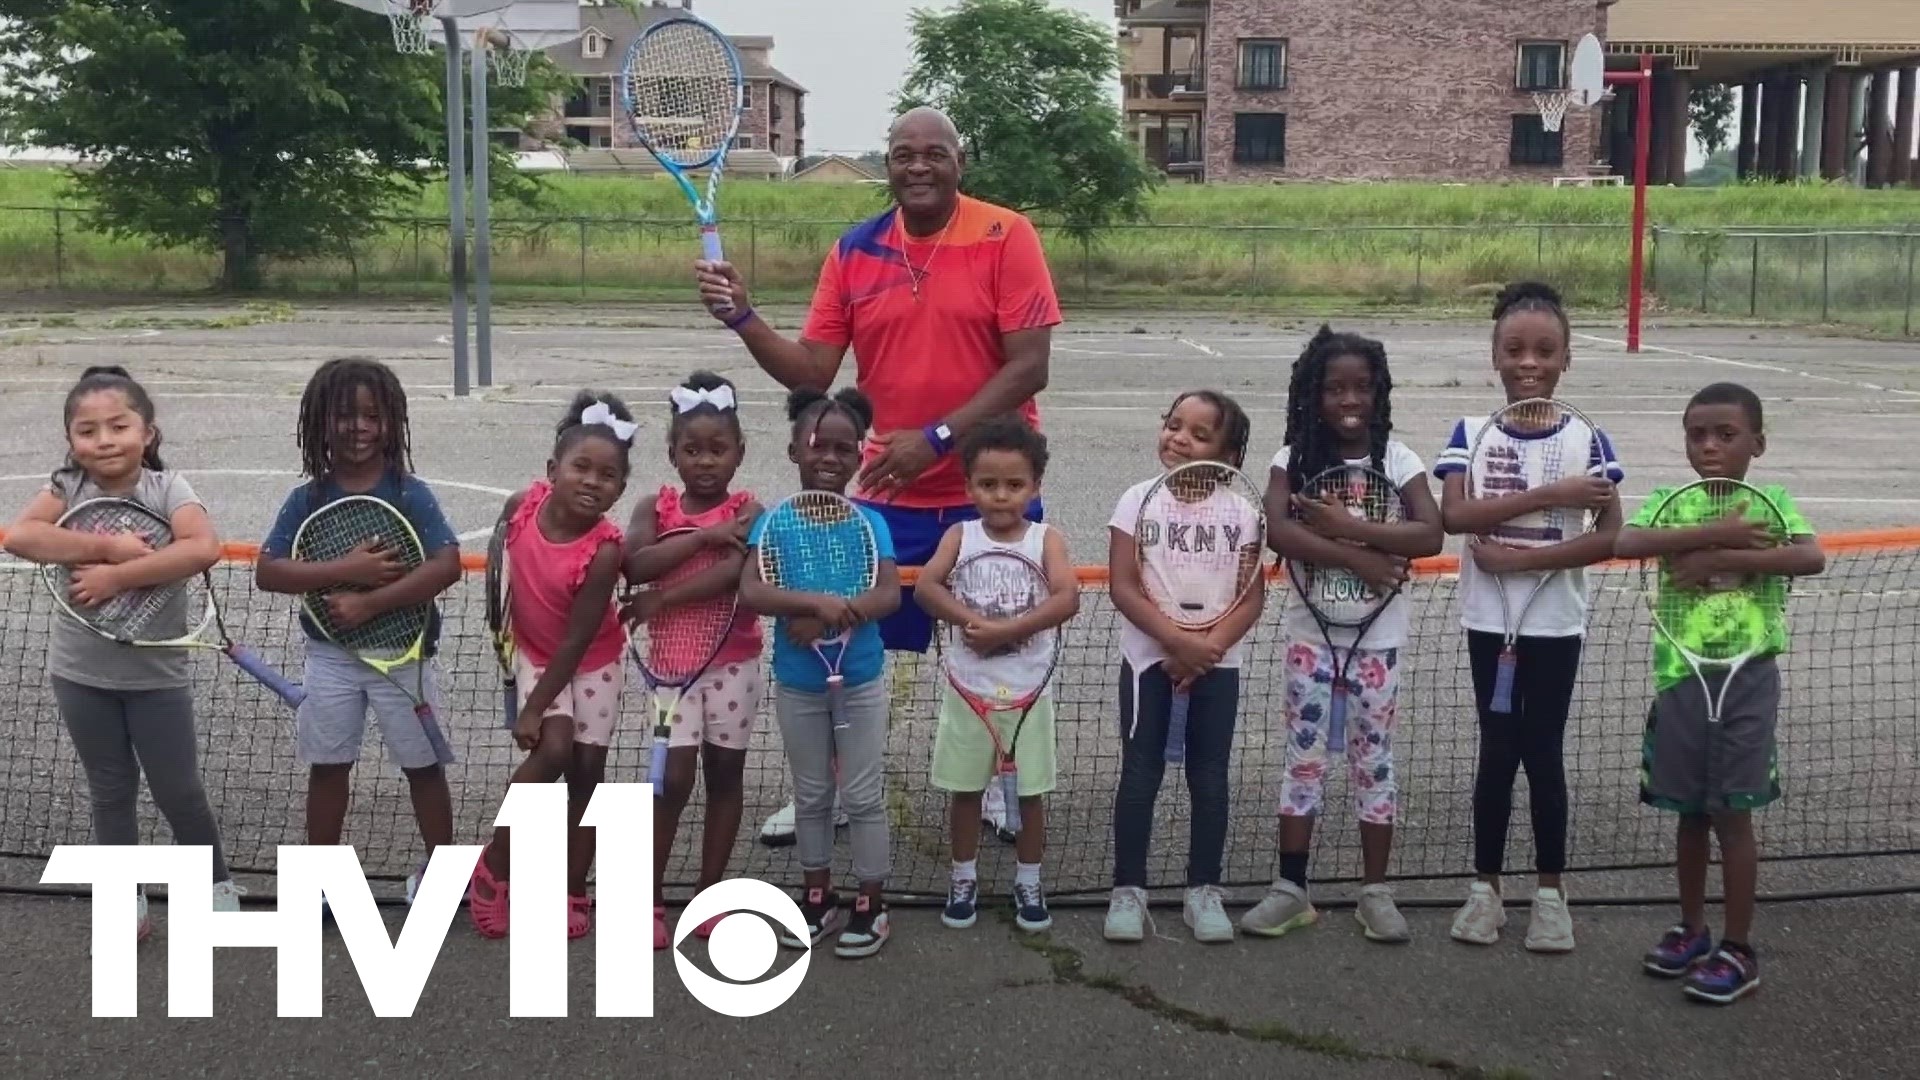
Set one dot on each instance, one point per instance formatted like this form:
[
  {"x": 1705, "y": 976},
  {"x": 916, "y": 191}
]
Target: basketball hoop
[
  {"x": 1553, "y": 107},
  {"x": 506, "y": 57},
  {"x": 409, "y": 21}
]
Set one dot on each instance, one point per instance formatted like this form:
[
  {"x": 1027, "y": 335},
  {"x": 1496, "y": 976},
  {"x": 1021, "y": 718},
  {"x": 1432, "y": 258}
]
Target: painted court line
[
  {"x": 1757, "y": 365},
  {"x": 1192, "y": 344}
]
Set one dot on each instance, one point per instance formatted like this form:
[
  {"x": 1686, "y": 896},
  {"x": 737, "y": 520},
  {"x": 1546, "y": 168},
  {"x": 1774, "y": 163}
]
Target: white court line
[
  {"x": 1192, "y": 344},
  {"x": 1757, "y": 365}
]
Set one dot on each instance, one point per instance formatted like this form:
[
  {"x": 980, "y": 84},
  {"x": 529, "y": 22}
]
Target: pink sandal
[
  {"x": 579, "y": 916},
  {"x": 489, "y": 915},
  {"x": 705, "y": 929},
  {"x": 660, "y": 940}
]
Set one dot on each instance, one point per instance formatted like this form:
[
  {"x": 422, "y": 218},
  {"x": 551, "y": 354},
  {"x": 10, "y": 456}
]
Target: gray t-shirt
[{"x": 79, "y": 655}]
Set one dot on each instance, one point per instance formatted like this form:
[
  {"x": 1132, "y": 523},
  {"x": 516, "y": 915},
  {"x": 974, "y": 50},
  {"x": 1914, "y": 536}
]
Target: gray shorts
[
  {"x": 1693, "y": 767},
  {"x": 340, "y": 691}
]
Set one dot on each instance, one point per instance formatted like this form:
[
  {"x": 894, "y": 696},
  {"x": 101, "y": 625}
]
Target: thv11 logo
[{"x": 393, "y": 973}]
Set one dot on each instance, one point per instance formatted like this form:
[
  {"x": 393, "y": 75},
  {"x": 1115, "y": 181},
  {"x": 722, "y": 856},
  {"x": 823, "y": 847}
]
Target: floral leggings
[{"x": 1373, "y": 685}]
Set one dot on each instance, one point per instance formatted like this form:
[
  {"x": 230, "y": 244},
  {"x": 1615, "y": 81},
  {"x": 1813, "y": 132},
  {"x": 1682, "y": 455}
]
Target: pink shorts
[
  {"x": 592, "y": 699},
  {"x": 720, "y": 708}
]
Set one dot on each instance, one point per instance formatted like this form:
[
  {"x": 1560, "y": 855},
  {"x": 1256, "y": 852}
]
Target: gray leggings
[
  {"x": 120, "y": 733},
  {"x": 812, "y": 747}
]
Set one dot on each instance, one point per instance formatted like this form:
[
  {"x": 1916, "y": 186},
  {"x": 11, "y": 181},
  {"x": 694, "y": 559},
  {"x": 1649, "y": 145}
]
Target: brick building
[{"x": 1250, "y": 90}]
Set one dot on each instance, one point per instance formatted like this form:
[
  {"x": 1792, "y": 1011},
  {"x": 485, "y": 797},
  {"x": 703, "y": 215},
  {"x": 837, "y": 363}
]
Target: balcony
[
  {"x": 1190, "y": 86},
  {"x": 1161, "y": 12}
]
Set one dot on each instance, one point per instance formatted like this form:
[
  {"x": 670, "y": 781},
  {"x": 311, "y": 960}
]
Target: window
[
  {"x": 1542, "y": 66},
  {"x": 603, "y": 97},
  {"x": 593, "y": 46},
  {"x": 774, "y": 143},
  {"x": 1260, "y": 138},
  {"x": 1533, "y": 144},
  {"x": 1263, "y": 65},
  {"x": 746, "y": 96},
  {"x": 743, "y": 142}
]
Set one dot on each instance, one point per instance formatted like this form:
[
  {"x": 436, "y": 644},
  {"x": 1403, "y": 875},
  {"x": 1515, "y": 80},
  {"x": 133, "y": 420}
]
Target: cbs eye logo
[{"x": 742, "y": 948}]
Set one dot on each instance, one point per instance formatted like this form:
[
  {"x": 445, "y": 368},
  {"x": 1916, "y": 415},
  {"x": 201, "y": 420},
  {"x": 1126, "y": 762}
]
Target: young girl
[
  {"x": 127, "y": 710},
  {"x": 566, "y": 558},
  {"x": 705, "y": 445},
  {"x": 354, "y": 440},
  {"x": 826, "y": 446},
  {"x": 1203, "y": 425},
  {"x": 1339, "y": 412},
  {"x": 1530, "y": 354}
]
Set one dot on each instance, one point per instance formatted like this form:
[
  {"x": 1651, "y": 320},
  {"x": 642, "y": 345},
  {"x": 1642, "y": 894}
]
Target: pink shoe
[
  {"x": 579, "y": 916},
  {"x": 660, "y": 927},
  {"x": 705, "y": 929},
  {"x": 489, "y": 914}
]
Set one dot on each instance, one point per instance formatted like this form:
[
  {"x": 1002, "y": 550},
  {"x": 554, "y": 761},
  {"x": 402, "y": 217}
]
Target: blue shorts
[{"x": 916, "y": 536}]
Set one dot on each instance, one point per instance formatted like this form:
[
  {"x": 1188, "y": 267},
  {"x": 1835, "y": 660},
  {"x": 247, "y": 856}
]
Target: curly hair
[{"x": 1315, "y": 446}]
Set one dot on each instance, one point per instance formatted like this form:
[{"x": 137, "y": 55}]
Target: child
[
  {"x": 1724, "y": 432},
  {"x": 566, "y": 558},
  {"x": 1531, "y": 352},
  {"x": 826, "y": 446},
  {"x": 354, "y": 440},
  {"x": 705, "y": 445},
  {"x": 1203, "y": 425},
  {"x": 1004, "y": 461},
  {"x": 127, "y": 710},
  {"x": 1339, "y": 413}
]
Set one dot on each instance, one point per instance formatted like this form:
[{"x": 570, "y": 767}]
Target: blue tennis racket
[
  {"x": 819, "y": 542},
  {"x": 681, "y": 89}
]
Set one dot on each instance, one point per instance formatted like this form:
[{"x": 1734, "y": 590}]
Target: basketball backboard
[
  {"x": 522, "y": 26},
  {"x": 1588, "y": 77}
]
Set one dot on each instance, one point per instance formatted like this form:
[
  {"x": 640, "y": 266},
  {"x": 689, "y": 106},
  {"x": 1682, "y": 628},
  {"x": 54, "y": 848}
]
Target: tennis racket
[
  {"x": 675, "y": 647},
  {"x": 155, "y": 617},
  {"x": 1199, "y": 537},
  {"x": 392, "y": 639},
  {"x": 1721, "y": 627},
  {"x": 682, "y": 92},
  {"x": 500, "y": 619},
  {"x": 819, "y": 542},
  {"x": 1527, "y": 445},
  {"x": 998, "y": 585},
  {"x": 1335, "y": 596}
]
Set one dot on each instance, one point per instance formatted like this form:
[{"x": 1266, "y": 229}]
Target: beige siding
[{"x": 1766, "y": 22}]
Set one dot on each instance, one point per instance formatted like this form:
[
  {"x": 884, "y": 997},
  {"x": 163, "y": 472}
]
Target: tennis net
[{"x": 1849, "y": 742}]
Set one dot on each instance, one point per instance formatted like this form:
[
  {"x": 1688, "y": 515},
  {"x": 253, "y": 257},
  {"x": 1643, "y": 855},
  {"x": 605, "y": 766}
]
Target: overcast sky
[{"x": 849, "y": 54}]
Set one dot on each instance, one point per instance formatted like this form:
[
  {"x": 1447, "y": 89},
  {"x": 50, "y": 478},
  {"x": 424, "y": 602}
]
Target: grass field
[{"x": 1805, "y": 253}]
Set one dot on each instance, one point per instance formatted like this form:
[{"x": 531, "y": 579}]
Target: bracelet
[
  {"x": 932, "y": 433},
  {"x": 739, "y": 320}
]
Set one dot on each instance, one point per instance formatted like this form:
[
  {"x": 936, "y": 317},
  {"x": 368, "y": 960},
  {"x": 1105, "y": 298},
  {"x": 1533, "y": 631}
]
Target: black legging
[{"x": 1532, "y": 736}]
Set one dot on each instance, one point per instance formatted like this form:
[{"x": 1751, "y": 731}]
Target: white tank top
[{"x": 1008, "y": 675}]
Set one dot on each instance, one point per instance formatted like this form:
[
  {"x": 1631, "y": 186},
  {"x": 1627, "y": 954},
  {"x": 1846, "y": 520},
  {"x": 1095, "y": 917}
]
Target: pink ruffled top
[
  {"x": 743, "y": 641},
  {"x": 546, "y": 578}
]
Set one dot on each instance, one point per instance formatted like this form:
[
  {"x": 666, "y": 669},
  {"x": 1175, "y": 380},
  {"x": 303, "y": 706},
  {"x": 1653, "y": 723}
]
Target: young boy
[
  {"x": 1724, "y": 433},
  {"x": 1004, "y": 460}
]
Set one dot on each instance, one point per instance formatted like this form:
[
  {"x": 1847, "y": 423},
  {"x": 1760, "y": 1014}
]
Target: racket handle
[
  {"x": 255, "y": 665},
  {"x": 710, "y": 249},
  {"x": 657, "y": 766},
  {"x": 435, "y": 737},
  {"x": 1337, "y": 720},
  {"x": 835, "y": 683},
  {"x": 1177, "y": 727},
  {"x": 1010, "y": 794},
  {"x": 510, "y": 702},
  {"x": 1502, "y": 698}
]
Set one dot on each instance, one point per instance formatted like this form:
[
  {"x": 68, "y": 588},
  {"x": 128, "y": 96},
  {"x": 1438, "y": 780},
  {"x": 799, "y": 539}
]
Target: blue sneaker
[
  {"x": 963, "y": 899},
  {"x": 1730, "y": 974},
  {"x": 1030, "y": 908},
  {"x": 1680, "y": 951}
]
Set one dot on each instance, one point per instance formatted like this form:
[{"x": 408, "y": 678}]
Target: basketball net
[
  {"x": 1553, "y": 107},
  {"x": 505, "y": 56},
  {"x": 409, "y": 21}
]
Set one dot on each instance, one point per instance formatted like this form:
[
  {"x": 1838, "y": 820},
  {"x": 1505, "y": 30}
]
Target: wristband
[
  {"x": 739, "y": 320},
  {"x": 940, "y": 437}
]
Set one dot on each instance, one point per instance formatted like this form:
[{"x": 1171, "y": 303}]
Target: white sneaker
[
  {"x": 1550, "y": 930},
  {"x": 143, "y": 927},
  {"x": 1285, "y": 908},
  {"x": 1379, "y": 916},
  {"x": 993, "y": 812},
  {"x": 1127, "y": 916},
  {"x": 1206, "y": 916},
  {"x": 777, "y": 831},
  {"x": 1481, "y": 918},
  {"x": 226, "y": 896}
]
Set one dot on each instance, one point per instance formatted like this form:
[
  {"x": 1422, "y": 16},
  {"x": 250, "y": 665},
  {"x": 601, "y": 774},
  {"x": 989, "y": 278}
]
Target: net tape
[{"x": 1849, "y": 729}]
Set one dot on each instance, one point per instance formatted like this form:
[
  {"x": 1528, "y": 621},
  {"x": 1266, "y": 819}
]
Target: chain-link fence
[{"x": 1855, "y": 277}]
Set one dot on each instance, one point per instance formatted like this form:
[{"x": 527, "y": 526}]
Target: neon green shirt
[{"x": 1696, "y": 631}]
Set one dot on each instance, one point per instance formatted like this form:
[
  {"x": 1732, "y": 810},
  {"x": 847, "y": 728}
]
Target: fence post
[
  {"x": 1826, "y": 277},
  {"x": 1419, "y": 263},
  {"x": 1653, "y": 259},
  {"x": 1753, "y": 281},
  {"x": 753, "y": 252},
  {"x": 415, "y": 275},
  {"x": 59, "y": 249},
  {"x": 1253, "y": 281},
  {"x": 1908, "y": 326},
  {"x": 1086, "y": 268},
  {"x": 1540, "y": 251},
  {"x": 583, "y": 257}
]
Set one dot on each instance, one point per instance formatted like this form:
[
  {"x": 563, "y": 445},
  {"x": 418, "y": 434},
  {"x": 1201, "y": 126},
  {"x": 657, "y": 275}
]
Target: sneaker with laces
[
  {"x": 963, "y": 904},
  {"x": 226, "y": 895},
  {"x": 993, "y": 813},
  {"x": 1380, "y": 917},
  {"x": 1550, "y": 929},
  {"x": 1030, "y": 908},
  {"x": 1724, "y": 977},
  {"x": 1284, "y": 909},
  {"x": 1481, "y": 917},
  {"x": 867, "y": 930},
  {"x": 1127, "y": 916},
  {"x": 777, "y": 830},
  {"x": 824, "y": 915},
  {"x": 1679, "y": 951},
  {"x": 1206, "y": 915}
]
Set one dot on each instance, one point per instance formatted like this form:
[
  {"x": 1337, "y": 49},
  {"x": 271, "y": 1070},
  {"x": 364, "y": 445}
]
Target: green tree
[
  {"x": 1710, "y": 109},
  {"x": 1031, "y": 89},
  {"x": 253, "y": 128}
]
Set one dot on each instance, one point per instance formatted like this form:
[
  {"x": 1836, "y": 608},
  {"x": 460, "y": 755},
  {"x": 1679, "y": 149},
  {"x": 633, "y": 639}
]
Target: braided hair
[
  {"x": 329, "y": 395},
  {"x": 1315, "y": 447},
  {"x": 806, "y": 408},
  {"x": 111, "y": 377},
  {"x": 1235, "y": 427},
  {"x": 1531, "y": 296}
]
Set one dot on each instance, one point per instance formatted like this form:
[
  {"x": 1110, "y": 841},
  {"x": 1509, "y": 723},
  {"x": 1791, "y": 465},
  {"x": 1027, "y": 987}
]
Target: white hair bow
[
  {"x": 598, "y": 413},
  {"x": 686, "y": 398}
]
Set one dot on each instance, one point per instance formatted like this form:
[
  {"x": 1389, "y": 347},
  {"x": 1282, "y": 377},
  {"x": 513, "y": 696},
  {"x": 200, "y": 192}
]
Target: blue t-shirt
[
  {"x": 408, "y": 494},
  {"x": 798, "y": 667}
]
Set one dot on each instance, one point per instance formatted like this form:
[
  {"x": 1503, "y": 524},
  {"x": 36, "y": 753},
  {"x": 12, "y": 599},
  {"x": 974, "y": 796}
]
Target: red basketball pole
[{"x": 1642, "y": 81}]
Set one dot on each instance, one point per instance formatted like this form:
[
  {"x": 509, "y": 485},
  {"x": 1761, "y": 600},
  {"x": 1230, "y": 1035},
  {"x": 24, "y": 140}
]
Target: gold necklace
[{"x": 917, "y": 276}]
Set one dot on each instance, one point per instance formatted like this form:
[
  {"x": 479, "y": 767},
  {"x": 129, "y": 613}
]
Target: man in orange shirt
[{"x": 949, "y": 308}]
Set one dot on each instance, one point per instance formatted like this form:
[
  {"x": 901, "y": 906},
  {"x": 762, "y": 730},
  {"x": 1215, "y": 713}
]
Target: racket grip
[
  {"x": 1337, "y": 720},
  {"x": 834, "y": 685},
  {"x": 1501, "y": 701},
  {"x": 657, "y": 766},
  {"x": 255, "y": 665},
  {"x": 510, "y": 703},
  {"x": 435, "y": 737},
  {"x": 1177, "y": 728},
  {"x": 1010, "y": 793},
  {"x": 710, "y": 249}
]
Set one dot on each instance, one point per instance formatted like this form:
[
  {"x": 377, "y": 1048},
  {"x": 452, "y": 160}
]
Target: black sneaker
[
  {"x": 866, "y": 931},
  {"x": 963, "y": 902},
  {"x": 824, "y": 915},
  {"x": 1030, "y": 908}
]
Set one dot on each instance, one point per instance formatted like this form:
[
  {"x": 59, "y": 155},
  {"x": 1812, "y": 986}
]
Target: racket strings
[
  {"x": 683, "y": 92},
  {"x": 1732, "y": 616},
  {"x": 337, "y": 530},
  {"x": 1199, "y": 541},
  {"x": 155, "y": 612},
  {"x": 818, "y": 546},
  {"x": 997, "y": 587},
  {"x": 680, "y": 641},
  {"x": 1334, "y": 592}
]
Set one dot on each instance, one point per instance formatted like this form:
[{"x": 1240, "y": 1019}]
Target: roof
[
  {"x": 1870, "y": 24},
  {"x": 1168, "y": 12},
  {"x": 832, "y": 159},
  {"x": 620, "y": 26}
]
